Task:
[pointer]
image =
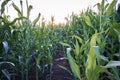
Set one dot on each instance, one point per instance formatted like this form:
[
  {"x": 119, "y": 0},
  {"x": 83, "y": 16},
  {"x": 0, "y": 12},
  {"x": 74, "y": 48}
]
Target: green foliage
[
  {"x": 17, "y": 9},
  {"x": 36, "y": 20},
  {"x": 92, "y": 41},
  {"x": 3, "y": 6},
  {"x": 110, "y": 8},
  {"x": 74, "y": 67},
  {"x": 92, "y": 71},
  {"x": 95, "y": 39},
  {"x": 86, "y": 19}
]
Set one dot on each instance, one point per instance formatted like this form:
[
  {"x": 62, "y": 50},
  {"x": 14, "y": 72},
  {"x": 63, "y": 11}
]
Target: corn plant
[
  {"x": 74, "y": 67},
  {"x": 88, "y": 22},
  {"x": 93, "y": 39},
  {"x": 92, "y": 71},
  {"x": 21, "y": 40}
]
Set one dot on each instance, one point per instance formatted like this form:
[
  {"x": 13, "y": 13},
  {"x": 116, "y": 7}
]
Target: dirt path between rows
[{"x": 59, "y": 73}]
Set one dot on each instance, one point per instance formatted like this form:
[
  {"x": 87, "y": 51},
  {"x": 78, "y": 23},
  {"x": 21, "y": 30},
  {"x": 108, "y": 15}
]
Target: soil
[{"x": 59, "y": 73}]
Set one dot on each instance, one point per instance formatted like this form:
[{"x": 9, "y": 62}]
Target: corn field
[{"x": 89, "y": 41}]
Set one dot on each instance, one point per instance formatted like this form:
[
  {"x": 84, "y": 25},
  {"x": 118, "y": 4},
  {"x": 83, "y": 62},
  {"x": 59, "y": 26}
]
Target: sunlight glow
[{"x": 57, "y": 8}]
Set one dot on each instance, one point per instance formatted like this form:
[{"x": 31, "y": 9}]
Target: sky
[{"x": 57, "y": 8}]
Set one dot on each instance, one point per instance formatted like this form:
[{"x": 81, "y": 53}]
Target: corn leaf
[
  {"x": 115, "y": 26},
  {"x": 4, "y": 20},
  {"x": 36, "y": 20},
  {"x": 65, "y": 69},
  {"x": 93, "y": 39},
  {"x": 3, "y": 6},
  {"x": 104, "y": 22},
  {"x": 91, "y": 59},
  {"x": 91, "y": 64},
  {"x": 102, "y": 4},
  {"x": 77, "y": 48},
  {"x": 6, "y": 47},
  {"x": 80, "y": 39},
  {"x": 110, "y": 8},
  {"x": 17, "y": 9},
  {"x": 74, "y": 67},
  {"x": 16, "y": 19},
  {"x": 30, "y": 8},
  {"x": 98, "y": 6},
  {"x": 38, "y": 59},
  {"x": 106, "y": 5},
  {"x": 86, "y": 19},
  {"x": 5, "y": 62},
  {"x": 92, "y": 69},
  {"x": 104, "y": 58},
  {"x": 6, "y": 73},
  {"x": 112, "y": 64},
  {"x": 64, "y": 44},
  {"x": 96, "y": 50},
  {"x": 98, "y": 69}
]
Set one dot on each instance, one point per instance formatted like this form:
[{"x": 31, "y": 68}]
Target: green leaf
[
  {"x": 103, "y": 6},
  {"x": 98, "y": 6},
  {"x": 77, "y": 48},
  {"x": 6, "y": 73},
  {"x": 110, "y": 8},
  {"x": 64, "y": 44},
  {"x": 38, "y": 59},
  {"x": 5, "y": 62},
  {"x": 3, "y": 6},
  {"x": 115, "y": 25},
  {"x": 86, "y": 19},
  {"x": 99, "y": 69},
  {"x": 93, "y": 39},
  {"x": 30, "y": 8},
  {"x": 91, "y": 59},
  {"x": 74, "y": 67},
  {"x": 4, "y": 20},
  {"x": 92, "y": 69},
  {"x": 65, "y": 69},
  {"x": 91, "y": 65},
  {"x": 96, "y": 50},
  {"x": 80, "y": 39},
  {"x": 114, "y": 28},
  {"x": 36, "y": 20},
  {"x": 104, "y": 22},
  {"x": 20, "y": 18},
  {"x": 6, "y": 47},
  {"x": 106, "y": 5},
  {"x": 104, "y": 58},
  {"x": 17, "y": 9},
  {"x": 112, "y": 64}
]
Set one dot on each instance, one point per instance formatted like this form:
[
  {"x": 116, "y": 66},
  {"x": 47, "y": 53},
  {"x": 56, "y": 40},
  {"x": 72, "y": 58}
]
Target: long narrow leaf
[
  {"x": 6, "y": 73},
  {"x": 36, "y": 20},
  {"x": 86, "y": 19},
  {"x": 111, "y": 8},
  {"x": 6, "y": 47},
  {"x": 74, "y": 67},
  {"x": 3, "y": 5},
  {"x": 65, "y": 69},
  {"x": 93, "y": 40},
  {"x": 80, "y": 39},
  {"x": 96, "y": 50},
  {"x": 112, "y": 64},
  {"x": 17, "y": 9},
  {"x": 4, "y": 62},
  {"x": 64, "y": 44}
]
